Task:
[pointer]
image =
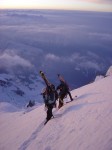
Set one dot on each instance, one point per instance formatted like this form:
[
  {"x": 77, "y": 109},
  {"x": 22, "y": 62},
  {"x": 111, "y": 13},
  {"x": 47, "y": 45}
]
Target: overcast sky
[{"x": 92, "y": 5}]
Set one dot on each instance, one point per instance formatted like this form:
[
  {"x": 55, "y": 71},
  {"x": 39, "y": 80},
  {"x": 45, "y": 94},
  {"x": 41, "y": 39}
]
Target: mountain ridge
[{"x": 18, "y": 90}]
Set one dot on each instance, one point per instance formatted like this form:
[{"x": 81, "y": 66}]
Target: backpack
[
  {"x": 50, "y": 96},
  {"x": 63, "y": 88}
]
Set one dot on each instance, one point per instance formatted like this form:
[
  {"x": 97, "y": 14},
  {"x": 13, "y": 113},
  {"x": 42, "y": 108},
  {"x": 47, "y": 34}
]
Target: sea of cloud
[{"x": 76, "y": 44}]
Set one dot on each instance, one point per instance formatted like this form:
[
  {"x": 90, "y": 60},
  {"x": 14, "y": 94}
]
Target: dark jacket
[
  {"x": 63, "y": 87},
  {"x": 50, "y": 96}
]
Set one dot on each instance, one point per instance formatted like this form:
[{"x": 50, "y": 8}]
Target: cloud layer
[
  {"x": 13, "y": 60},
  {"x": 68, "y": 42}
]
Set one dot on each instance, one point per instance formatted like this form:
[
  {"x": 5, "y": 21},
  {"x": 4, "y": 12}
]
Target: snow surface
[
  {"x": 99, "y": 77},
  {"x": 31, "y": 89},
  {"x": 84, "y": 124},
  {"x": 109, "y": 72}
]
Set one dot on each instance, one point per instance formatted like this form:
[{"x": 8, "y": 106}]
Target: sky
[{"x": 91, "y": 5}]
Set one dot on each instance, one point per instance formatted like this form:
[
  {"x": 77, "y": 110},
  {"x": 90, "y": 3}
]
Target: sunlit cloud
[
  {"x": 90, "y": 65},
  {"x": 11, "y": 60},
  {"x": 76, "y": 59},
  {"x": 52, "y": 57}
]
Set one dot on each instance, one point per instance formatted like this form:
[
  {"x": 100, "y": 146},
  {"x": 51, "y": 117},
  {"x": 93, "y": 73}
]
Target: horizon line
[{"x": 56, "y": 9}]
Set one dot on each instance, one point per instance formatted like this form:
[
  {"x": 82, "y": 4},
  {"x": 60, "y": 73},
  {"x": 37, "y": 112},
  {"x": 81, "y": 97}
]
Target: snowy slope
[
  {"x": 99, "y": 77},
  {"x": 109, "y": 72},
  {"x": 84, "y": 124}
]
